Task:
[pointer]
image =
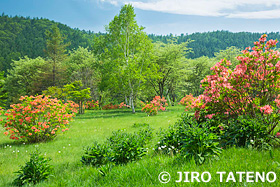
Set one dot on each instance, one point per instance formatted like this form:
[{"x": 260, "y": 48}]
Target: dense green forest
[
  {"x": 207, "y": 43},
  {"x": 124, "y": 65},
  {"x": 24, "y": 36}
]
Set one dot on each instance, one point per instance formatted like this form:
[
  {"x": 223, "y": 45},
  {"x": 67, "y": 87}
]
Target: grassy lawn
[{"x": 66, "y": 151}]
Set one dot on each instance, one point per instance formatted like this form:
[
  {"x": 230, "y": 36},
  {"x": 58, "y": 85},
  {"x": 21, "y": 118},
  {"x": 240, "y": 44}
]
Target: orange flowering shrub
[
  {"x": 37, "y": 119},
  {"x": 92, "y": 105},
  {"x": 187, "y": 101},
  {"x": 155, "y": 105}
]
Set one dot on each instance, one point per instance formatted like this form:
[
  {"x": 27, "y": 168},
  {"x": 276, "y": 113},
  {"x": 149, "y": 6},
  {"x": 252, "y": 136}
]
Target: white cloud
[
  {"x": 268, "y": 14},
  {"x": 259, "y": 9}
]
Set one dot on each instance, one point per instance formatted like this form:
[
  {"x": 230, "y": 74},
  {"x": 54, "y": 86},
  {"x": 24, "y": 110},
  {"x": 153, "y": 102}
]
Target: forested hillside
[
  {"x": 20, "y": 36},
  {"x": 24, "y": 36},
  {"x": 207, "y": 43}
]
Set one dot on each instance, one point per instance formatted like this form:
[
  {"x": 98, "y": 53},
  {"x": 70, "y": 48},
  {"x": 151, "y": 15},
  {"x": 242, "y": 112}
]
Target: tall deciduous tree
[
  {"x": 55, "y": 50},
  {"x": 126, "y": 52},
  {"x": 230, "y": 53},
  {"x": 26, "y": 77},
  {"x": 77, "y": 94},
  {"x": 197, "y": 69},
  {"x": 82, "y": 66},
  {"x": 170, "y": 60},
  {"x": 3, "y": 90}
]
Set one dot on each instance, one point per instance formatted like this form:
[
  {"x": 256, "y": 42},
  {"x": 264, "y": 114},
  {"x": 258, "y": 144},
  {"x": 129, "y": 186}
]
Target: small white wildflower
[
  {"x": 58, "y": 151},
  {"x": 172, "y": 147},
  {"x": 159, "y": 148},
  {"x": 158, "y": 142},
  {"x": 69, "y": 144},
  {"x": 153, "y": 148},
  {"x": 36, "y": 145},
  {"x": 18, "y": 151},
  {"x": 5, "y": 147},
  {"x": 23, "y": 143},
  {"x": 10, "y": 146},
  {"x": 178, "y": 143},
  {"x": 26, "y": 151},
  {"x": 63, "y": 147},
  {"x": 13, "y": 151},
  {"x": 169, "y": 149},
  {"x": 147, "y": 148},
  {"x": 252, "y": 141}
]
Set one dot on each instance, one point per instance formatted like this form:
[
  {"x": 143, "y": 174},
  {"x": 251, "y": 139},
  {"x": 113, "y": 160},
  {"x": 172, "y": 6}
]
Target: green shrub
[
  {"x": 191, "y": 139},
  {"x": 120, "y": 148},
  {"x": 136, "y": 125},
  {"x": 200, "y": 143},
  {"x": 126, "y": 147},
  {"x": 171, "y": 139},
  {"x": 35, "y": 170},
  {"x": 96, "y": 155},
  {"x": 246, "y": 131}
]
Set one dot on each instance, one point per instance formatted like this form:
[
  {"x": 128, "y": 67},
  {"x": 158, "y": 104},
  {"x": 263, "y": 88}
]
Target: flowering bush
[
  {"x": 37, "y": 119},
  {"x": 187, "y": 101},
  {"x": 110, "y": 107},
  {"x": 92, "y": 105},
  {"x": 251, "y": 88},
  {"x": 155, "y": 105},
  {"x": 122, "y": 105}
]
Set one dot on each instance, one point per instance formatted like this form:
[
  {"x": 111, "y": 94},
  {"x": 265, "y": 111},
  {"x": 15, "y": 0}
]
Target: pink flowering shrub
[
  {"x": 250, "y": 89},
  {"x": 187, "y": 101},
  {"x": 155, "y": 105},
  {"x": 92, "y": 105},
  {"x": 37, "y": 119},
  {"x": 123, "y": 105}
]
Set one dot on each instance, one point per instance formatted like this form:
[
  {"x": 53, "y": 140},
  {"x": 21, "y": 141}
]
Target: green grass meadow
[{"x": 66, "y": 151}]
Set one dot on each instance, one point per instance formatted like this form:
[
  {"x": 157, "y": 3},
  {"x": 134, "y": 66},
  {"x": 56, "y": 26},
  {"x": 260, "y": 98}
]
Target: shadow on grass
[
  {"x": 18, "y": 143},
  {"x": 13, "y": 144},
  {"x": 106, "y": 114},
  {"x": 90, "y": 114}
]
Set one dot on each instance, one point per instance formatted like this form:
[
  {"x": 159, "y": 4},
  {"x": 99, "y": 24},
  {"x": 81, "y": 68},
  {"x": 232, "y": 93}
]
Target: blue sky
[{"x": 157, "y": 16}]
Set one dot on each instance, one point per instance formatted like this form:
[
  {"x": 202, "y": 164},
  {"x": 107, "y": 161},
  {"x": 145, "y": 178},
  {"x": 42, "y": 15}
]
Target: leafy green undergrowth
[
  {"x": 95, "y": 126},
  {"x": 66, "y": 150},
  {"x": 145, "y": 172}
]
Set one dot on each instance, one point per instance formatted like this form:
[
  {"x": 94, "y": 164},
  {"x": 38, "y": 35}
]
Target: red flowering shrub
[
  {"x": 155, "y": 105},
  {"x": 187, "y": 101},
  {"x": 251, "y": 88},
  {"x": 37, "y": 119},
  {"x": 110, "y": 107},
  {"x": 92, "y": 105}
]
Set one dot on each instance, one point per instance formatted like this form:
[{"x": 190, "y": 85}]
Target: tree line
[{"x": 122, "y": 65}]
